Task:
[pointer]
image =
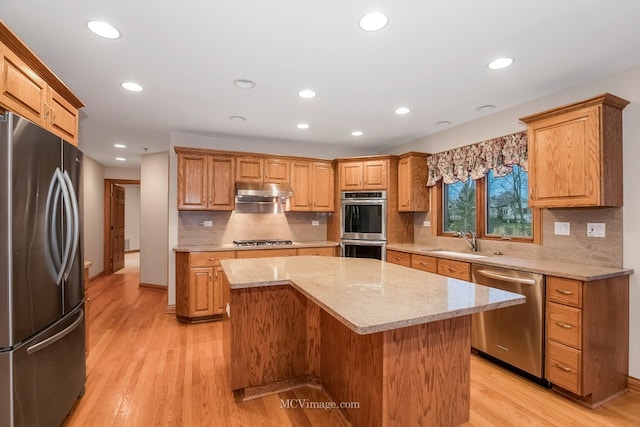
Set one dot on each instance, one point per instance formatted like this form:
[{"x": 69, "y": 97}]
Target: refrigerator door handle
[
  {"x": 75, "y": 220},
  {"x": 66, "y": 331},
  {"x": 66, "y": 203},
  {"x": 57, "y": 256}
]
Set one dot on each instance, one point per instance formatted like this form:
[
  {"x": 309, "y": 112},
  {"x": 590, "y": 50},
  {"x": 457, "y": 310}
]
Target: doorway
[{"x": 114, "y": 223}]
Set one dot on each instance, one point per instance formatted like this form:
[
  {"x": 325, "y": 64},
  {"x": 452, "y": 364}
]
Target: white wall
[
  {"x": 154, "y": 210},
  {"x": 132, "y": 216},
  {"x": 93, "y": 214},
  {"x": 121, "y": 173},
  {"x": 624, "y": 84}
]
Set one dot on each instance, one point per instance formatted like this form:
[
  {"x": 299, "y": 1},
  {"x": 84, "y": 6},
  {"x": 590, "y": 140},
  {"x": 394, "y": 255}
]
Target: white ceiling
[{"x": 431, "y": 57}]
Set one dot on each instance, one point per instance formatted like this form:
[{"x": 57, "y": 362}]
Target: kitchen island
[{"x": 390, "y": 342}]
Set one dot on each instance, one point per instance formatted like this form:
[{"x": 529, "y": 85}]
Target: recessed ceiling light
[
  {"x": 302, "y": 126},
  {"x": 484, "y": 108},
  {"x": 103, "y": 29},
  {"x": 133, "y": 87},
  {"x": 306, "y": 93},
  {"x": 402, "y": 110},
  {"x": 237, "y": 118},
  {"x": 119, "y": 145},
  {"x": 373, "y": 21},
  {"x": 500, "y": 63},
  {"x": 244, "y": 84},
  {"x": 357, "y": 133},
  {"x": 443, "y": 123},
  {"x": 120, "y": 159}
]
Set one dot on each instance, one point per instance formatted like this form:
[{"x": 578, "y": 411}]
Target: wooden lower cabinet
[
  {"x": 456, "y": 269},
  {"x": 424, "y": 263},
  {"x": 323, "y": 251},
  {"x": 587, "y": 333},
  {"x": 266, "y": 253},
  {"x": 199, "y": 285},
  {"x": 430, "y": 264},
  {"x": 398, "y": 257}
]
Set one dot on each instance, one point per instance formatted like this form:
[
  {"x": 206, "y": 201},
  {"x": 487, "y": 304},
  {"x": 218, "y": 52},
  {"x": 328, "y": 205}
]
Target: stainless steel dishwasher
[{"x": 515, "y": 334}]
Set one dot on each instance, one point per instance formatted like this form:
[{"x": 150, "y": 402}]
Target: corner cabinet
[
  {"x": 587, "y": 333},
  {"x": 413, "y": 195},
  {"x": 575, "y": 154},
  {"x": 205, "y": 182},
  {"x": 312, "y": 185},
  {"x": 364, "y": 175},
  {"x": 29, "y": 89},
  {"x": 199, "y": 290}
]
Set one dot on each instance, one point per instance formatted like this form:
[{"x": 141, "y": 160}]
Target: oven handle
[{"x": 505, "y": 278}]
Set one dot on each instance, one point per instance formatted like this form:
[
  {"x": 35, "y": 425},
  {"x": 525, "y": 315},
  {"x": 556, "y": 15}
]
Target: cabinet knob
[
  {"x": 563, "y": 292},
  {"x": 47, "y": 110},
  {"x": 53, "y": 116},
  {"x": 564, "y": 325}
]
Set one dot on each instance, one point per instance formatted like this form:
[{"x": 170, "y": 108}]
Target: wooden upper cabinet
[
  {"x": 23, "y": 91},
  {"x": 575, "y": 154},
  {"x": 276, "y": 170},
  {"x": 249, "y": 169},
  {"x": 205, "y": 182},
  {"x": 312, "y": 184},
  {"x": 364, "y": 175},
  {"x": 413, "y": 195},
  {"x": 29, "y": 89}
]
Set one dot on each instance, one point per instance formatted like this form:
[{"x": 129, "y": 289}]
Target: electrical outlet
[
  {"x": 426, "y": 223},
  {"x": 314, "y": 222},
  {"x": 562, "y": 228},
  {"x": 596, "y": 229},
  {"x": 207, "y": 223}
]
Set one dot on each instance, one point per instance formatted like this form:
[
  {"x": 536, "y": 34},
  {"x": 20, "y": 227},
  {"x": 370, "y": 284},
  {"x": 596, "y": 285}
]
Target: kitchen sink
[{"x": 458, "y": 254}]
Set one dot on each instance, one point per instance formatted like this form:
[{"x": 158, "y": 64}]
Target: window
[
  {"x": 508, "y": 211},
  {"x": 459, "y": 206}
]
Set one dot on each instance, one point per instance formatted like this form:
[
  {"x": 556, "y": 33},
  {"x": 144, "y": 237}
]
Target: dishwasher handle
[{"x": 503, "y": 277}]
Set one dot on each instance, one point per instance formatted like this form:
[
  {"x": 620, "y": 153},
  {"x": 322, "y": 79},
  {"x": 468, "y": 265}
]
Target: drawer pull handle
[
  {"x": 564, "y": 368},
  {"x": 212, "y": 259},
  {"x": 451, "y": 270},
  {"x": 564, "y": 325},
  {"x": 564, "y": 292}
]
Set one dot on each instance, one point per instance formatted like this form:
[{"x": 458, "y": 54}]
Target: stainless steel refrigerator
[{"x": 42, "y": 346}]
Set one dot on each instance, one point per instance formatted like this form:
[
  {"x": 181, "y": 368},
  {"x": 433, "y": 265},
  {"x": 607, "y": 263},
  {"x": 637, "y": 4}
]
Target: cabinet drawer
[
  {"x": 424, "y": 263},
  {"x": 564, "y": 291},
  {"x": 265, "y": 253},
  {"x": 563, "y": 366},
  {"x": 327, "y": 251},
  {"x": 400, "y": 258},
  {"x": 564, "y": 324},
  {"x": 209, "y": 259},
  {"x": 456, "y": 269}
]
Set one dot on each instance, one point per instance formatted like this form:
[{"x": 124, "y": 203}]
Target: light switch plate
[
  {"x": 314, "y": 222},
  {"x": 562, "y": 228},
  {"x": 426, "y": 223},
  {"x": 596, "y": 229},
  {"x": 207, "y": 223}
]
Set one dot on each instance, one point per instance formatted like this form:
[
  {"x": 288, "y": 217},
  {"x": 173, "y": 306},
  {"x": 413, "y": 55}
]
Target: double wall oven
[{"x": 363, "y": 224}]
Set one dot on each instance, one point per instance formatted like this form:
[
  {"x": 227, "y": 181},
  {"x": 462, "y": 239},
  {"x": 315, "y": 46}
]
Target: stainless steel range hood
[{"x": 262, "y": 198}]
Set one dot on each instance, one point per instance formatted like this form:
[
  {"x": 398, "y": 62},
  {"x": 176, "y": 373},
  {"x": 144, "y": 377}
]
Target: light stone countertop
[
  {"x": 232, "y": 247},
  {"x": 583, "y": 272},
  {"x": 368, "y": 295}
]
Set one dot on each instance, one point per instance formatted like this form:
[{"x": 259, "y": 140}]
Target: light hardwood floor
[{"x": 146, "y": 369}]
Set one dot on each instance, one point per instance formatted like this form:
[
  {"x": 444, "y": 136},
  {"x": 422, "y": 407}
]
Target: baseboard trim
[
  {"x": 132, "y": 251},
  {"x": 171, "y": 309},
  {"x": 152, "y": 287},
  {"x": 634, "y": 385},
  {"x": 96, "y": 277}
]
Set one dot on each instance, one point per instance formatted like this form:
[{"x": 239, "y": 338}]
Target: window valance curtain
[{"x": 474, "y": 161}]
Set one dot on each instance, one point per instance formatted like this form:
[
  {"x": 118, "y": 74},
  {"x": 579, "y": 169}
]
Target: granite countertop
[
  {"x": 232, "y": 247},
  {"x": 368, "y": 295},
  {"x": 583, "y": 272}
]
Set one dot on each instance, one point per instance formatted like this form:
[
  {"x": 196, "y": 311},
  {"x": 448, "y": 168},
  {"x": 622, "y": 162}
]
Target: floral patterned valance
[{"x": 473, "y": 161}]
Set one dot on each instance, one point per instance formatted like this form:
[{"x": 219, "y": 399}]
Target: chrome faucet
[{"x": 472, "y": 242}]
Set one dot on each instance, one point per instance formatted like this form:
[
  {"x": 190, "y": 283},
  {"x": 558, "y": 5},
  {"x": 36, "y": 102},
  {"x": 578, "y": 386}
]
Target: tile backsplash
[
  {"x": 577, "y": 247},
  {"x": 229, "y": 226}
]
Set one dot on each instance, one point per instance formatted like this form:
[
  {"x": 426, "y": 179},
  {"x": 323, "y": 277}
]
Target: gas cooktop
[{"x": 262, "y": 242}]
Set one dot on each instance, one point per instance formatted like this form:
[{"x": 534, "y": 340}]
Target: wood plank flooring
[{"x": 147, "y": 369}]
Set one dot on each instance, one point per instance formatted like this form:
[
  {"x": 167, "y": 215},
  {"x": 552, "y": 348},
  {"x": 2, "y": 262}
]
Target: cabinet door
[
  {"x": 221, "y": 191},
  {"x": 400, "y": 258},
  {"x": 324, "y": 251},
  {"x": 413, "y": 195},
  {"x": 301, "y": 181},
  {"x": 201, "y": 292},
  {"x": 322, "y": 187},
  {"x": 404, "y": 184},
  {"x": 276, "y": 170},
  {"x": 564, "y": 168},
  {"x": 375, "y": 174},
  {"x": 192, "y": 181},
  {"x": 62, "y": 117},
  {"x": 21, "y": 90},
  {"x": 249, "y": 169},
  {"x": 351, "y": 176},
  {"x": 218, "y": 300}
]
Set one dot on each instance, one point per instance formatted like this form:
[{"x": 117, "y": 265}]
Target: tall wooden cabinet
[
  {"x": 575, "y": 154},
  {"x": 29, "y": 89},
  {"x": 205, "y": 182},
  {"x": 312, "y": 185},
  {"x": 364, "y": 175},
  {"x": 413, "y": 195}
]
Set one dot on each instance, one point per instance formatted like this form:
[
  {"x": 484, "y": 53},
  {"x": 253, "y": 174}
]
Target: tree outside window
[
  {"x": 459, "y": 206},
  {"x": 508, "y": 211}
]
